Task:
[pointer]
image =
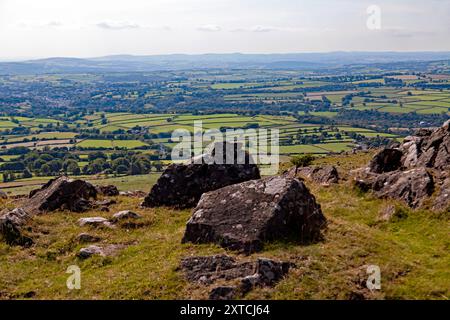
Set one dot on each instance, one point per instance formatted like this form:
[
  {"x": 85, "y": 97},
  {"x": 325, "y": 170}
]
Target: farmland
[{"x": 115, "y": 125}]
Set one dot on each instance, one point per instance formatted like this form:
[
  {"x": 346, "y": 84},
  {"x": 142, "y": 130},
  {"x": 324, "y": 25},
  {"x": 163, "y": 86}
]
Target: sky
[{"x": 88, "y": 28}]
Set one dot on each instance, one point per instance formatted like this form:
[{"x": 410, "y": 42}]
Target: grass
[
  {"x": 111, "y": 144},
  {"x": 411, "y": 251}
]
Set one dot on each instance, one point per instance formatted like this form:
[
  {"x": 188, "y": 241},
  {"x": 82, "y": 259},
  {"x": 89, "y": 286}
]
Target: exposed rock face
[
  {"x": 181, "y": 185},
  {"x": 61, "y": 193},
  {"x": 412, "y": 186},
  {"x": 108, "y": 190},
  {"x": 242, "y": 216},
  {"x": 413, "y": 171},
  {"x": 386, "y": 160},
  {"x": 244, "y": 276},
  {"x": 11, "y": 224},
  {"x": 319, "y": 174},
  {"x": 429, "y": 149}
]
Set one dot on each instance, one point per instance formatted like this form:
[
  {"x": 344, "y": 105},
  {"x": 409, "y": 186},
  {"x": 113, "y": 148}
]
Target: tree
[
  {"x": 303, "y": 160},
  {"x": 26, "y": 174},
  {"x": 121, "y": 169},
  {"x": 45, "y": 169}
]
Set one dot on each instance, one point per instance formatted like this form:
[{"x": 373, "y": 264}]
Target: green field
[{"x": 111, "y": 144}]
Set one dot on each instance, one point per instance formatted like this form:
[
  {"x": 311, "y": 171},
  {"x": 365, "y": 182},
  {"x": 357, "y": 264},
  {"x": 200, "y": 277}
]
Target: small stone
[
  {"x": 126, "y": 214},
  {"x": 87, "y": 238},
  {"x": 90, "y": 251},
  {"x": 94, "y": 222}
]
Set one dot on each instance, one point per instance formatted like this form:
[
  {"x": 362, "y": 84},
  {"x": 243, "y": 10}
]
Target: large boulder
[
  {"x": 243, "y": 216},
  {"x": 181, "y": 185},
  {"x": 61, "y": 193},
  {"x": 11, "y": 223}
]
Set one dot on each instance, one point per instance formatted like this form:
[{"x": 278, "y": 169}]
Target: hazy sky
[{"x": 84, "y": 28}]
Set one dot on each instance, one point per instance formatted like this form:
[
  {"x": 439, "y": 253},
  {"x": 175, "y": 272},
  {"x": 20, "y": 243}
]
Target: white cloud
[
  {"x": 117, "y": 25},
  {"x": 209, "y": 28},
  {"x": 260, "y": 28},
  {"x": 40, "y": 24}
]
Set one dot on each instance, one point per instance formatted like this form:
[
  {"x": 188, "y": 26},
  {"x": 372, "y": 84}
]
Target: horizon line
[{"x": 32, "y": 58}]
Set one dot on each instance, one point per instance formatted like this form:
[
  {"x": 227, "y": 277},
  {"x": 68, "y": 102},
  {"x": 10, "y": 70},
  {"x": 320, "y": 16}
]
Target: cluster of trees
[
  {"x": 57, "y": 161},
  {"x": 125, "y": 162}
]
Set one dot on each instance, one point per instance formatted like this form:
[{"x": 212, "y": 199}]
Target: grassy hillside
[{"x": 411, "y": 251}]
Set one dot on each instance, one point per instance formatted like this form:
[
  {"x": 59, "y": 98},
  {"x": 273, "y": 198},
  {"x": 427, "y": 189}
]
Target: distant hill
[{"x": 131, "y": 63}]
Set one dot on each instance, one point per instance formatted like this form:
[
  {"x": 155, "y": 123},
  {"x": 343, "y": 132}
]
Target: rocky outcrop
[
  {"x": 412, "y": 171},
  {"x": 427, "y": 148},
  {"x": 11, "y": 223},
  {"x": 413, "y": 186},
  {"x": 181, "y": 185},
  {"x": 243, "y": 216},
  {"x": 59, "y": 194},
  {"x": 241, "y": 277},
  {"x": 386, "y": 160},
  {"x": 319, "y": 174}
]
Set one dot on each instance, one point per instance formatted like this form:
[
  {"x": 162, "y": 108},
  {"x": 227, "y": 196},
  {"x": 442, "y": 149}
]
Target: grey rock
[
  {"x": 386, "y": 160},
  {"x": 319, "y": 174},
  {"x": 107, "y": 251},
  {"x": 95, "y": 222},
  {"x": 11, "y": 223},
  {"x": 126, "y": 214},
  {"x": 417, "y": 174},
  {"x": 250, "y": 274},
  {"x": 243, "y": 216},
  {"x": 108, "y": 190},
  {"x": 412, "y": 187},
  {"x": 85, "y": 253},
  {"x": 223, "y": 293},
  {"x": 61, "y": 193},
  {"x": 87, "y": 238},
  {"x": 181, "y": 185}
]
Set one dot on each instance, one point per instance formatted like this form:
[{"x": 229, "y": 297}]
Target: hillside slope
[{"x": 411, "y": 250}]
